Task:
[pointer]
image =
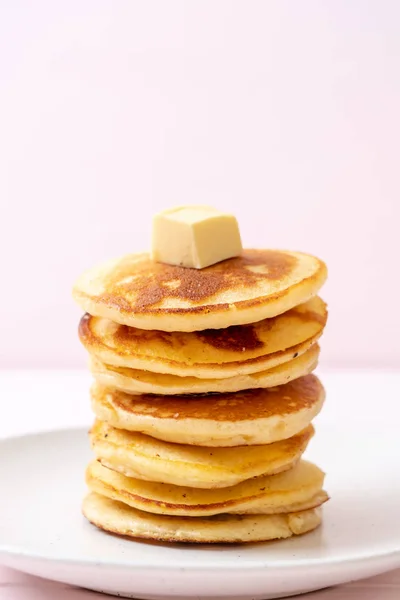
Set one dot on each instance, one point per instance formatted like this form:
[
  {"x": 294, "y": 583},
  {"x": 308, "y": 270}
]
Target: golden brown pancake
[
  {"x": 295, "y": 490},
  {"x": 136, "y": 291},
  {"x": 259, "y": 416},
  {"x": 213, "y": 353},
  {"x": 116, "y": 517},
  {"x": 134, "y": 381},
  {"x": 137, "y": 455}
]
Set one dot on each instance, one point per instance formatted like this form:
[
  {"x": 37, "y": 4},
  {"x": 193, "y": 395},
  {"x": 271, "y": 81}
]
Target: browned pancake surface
[
  {"x": 150, "y": 283},
  {"x": 303, "y": 393},
  {"x": 242, "y": 346}
]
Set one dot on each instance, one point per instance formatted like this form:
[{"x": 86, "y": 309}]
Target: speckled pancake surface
[
  {"x": 116, "y": 517},
  {"x": 135, "y": 381},
  {"x": 292, "y": 491},
  {"x": 137, "y": 455},
  {"x": 259, "y": 416},
  {"x": 215, "y": 353},
  {"x": 136, "y": 291}
]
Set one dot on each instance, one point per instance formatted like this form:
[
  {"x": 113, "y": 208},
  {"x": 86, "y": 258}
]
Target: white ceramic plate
[{"x": 42, "y": 531}]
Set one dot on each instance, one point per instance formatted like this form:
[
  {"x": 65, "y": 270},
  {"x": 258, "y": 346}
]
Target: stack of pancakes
[{"x": 204, "y": 396}]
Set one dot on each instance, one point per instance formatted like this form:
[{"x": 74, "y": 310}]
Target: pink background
[{"x": 285, "y": 113}]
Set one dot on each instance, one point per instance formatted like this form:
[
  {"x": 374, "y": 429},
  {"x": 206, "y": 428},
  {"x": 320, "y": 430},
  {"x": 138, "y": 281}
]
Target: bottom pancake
[{"x": 116, "y": 517}]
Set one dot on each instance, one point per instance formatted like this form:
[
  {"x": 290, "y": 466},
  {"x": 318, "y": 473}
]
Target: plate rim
[{"x": 279, "y": 565}]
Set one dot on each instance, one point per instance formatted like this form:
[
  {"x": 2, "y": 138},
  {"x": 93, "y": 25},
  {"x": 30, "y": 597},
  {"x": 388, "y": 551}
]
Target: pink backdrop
[{"x": 285, "y": 113}]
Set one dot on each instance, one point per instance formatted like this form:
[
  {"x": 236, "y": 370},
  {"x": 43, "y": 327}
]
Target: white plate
[{"x": 43, "y": 533}]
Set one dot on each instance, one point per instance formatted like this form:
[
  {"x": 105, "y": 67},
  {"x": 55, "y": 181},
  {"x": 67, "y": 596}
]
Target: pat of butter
[{"x": 195, "y": 236}]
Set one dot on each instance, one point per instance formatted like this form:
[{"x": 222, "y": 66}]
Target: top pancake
[{"x": 136, "y": 291}]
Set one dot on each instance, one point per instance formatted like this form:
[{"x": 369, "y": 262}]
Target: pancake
[
  {"x": 246, "y": 418},
  {"x": 259, "y": 284},
  {"x": 298, "y": 489},
  {"x": 213, "y": 353},
  {"x": 116, "y": 517},
  {"x": 134, "y": 381},
  {"x": 138, "y": 455}
]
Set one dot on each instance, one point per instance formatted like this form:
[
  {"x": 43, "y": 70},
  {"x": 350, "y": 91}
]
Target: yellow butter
[{"x": 195, "y": 236}]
